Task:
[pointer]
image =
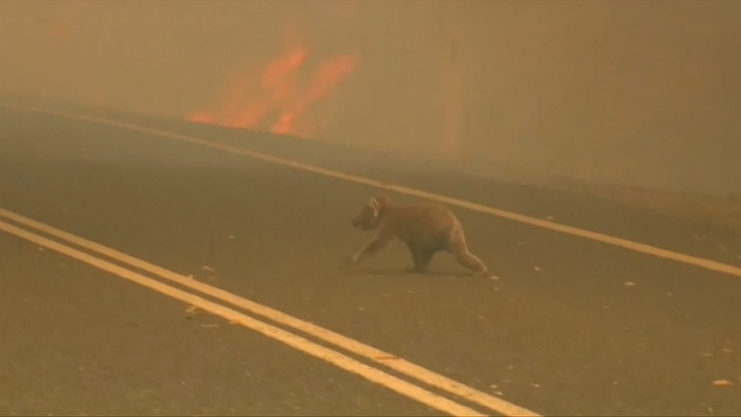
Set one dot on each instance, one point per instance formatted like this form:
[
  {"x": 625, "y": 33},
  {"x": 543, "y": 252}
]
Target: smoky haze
[{"x": 638, "y": 93}]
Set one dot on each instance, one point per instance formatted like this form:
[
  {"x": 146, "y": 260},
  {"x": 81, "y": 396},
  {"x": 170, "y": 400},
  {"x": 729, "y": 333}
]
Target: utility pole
[{"x": 452, "y": 105}]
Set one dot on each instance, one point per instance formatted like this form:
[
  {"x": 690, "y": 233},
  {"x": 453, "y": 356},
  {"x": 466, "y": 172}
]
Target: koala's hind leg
[
  {"x": 422, "y": 257},
  {"x": 465, "y": 258}
]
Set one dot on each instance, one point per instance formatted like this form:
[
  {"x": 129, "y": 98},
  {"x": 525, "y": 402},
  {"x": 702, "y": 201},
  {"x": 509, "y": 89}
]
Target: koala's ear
[{"x": 382, "y": 199}]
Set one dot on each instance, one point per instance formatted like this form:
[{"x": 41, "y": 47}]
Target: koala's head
[{"x": 371, "y": 214}]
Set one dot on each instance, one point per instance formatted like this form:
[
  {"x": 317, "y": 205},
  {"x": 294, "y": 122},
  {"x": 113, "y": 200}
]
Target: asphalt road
[
  {"x": 78, "y": 341},
  {"x": 569, "y": 327}
]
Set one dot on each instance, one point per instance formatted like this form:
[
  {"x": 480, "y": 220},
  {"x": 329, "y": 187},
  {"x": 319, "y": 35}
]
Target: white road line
[
  {"x": 389, "y": 360},
  {"x": 297, "y": 342},
  {"x": 574, "y": 231}
]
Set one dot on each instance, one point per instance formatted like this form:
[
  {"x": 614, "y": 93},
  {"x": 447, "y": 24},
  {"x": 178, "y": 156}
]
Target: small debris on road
[
  {"x": 723, "y": 383},
  {"x": 190, "y": 312},
  {"x": 207, "y": 268},
  {"x": 630, "y": 284}
]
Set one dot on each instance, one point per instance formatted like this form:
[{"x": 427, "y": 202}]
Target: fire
[
  {"x": 277, "y": 100},
  {"x": 325, "y": 79}
]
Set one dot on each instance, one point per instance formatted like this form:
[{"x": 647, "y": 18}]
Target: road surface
[
  {"x": 77, "y": 341},
  {"x": 566, "y": 326}
]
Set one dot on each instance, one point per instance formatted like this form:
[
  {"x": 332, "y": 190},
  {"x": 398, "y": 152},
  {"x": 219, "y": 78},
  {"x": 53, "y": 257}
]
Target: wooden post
[{"x": 452, "y": 105}]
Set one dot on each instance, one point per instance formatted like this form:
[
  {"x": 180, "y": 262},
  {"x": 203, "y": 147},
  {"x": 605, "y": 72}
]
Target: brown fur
[{"x": 425, "y": 228}]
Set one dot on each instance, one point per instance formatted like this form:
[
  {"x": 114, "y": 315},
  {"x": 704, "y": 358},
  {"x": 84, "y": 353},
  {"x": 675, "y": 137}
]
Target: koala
[{"x": 425, "y": 228}]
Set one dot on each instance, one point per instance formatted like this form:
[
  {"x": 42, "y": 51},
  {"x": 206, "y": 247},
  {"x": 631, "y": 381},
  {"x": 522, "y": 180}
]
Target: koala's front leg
[{"x": 369, "y": 249}]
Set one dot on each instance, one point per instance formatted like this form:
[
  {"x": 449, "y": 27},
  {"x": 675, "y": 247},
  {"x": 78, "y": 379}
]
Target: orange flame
[
  {"x": 279, "y": 92},
  {"x": 324, "y": 81}
]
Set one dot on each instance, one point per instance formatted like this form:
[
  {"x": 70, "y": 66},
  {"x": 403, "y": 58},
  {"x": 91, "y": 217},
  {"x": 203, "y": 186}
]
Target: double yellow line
[{"x": 100, "y": 256}]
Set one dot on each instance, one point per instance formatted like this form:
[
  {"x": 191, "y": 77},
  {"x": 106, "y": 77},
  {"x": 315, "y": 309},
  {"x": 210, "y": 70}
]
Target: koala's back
[{"x": 422, "y": 224}]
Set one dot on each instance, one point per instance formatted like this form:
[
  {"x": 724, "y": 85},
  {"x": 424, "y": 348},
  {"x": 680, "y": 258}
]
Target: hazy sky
[{"x": 644, "y": 91}]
